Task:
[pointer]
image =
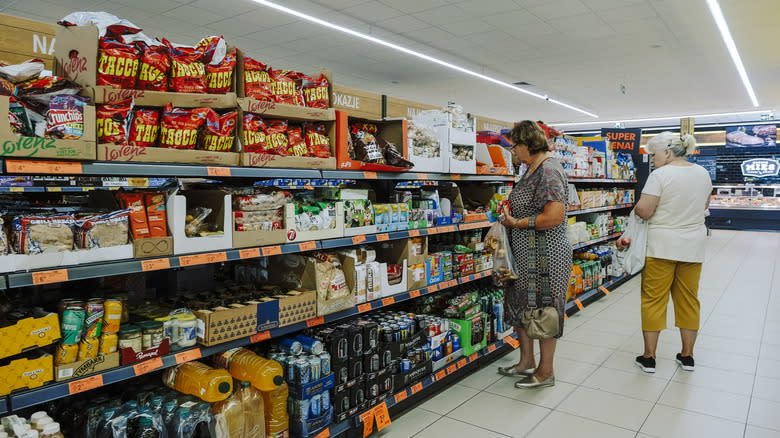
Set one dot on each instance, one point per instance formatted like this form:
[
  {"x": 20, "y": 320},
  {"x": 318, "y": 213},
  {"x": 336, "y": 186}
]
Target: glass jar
[
  {"x": 153, "y": 334},
  {"x": 169, "y": 326},
  {"x": 186, "y": 328},
  {"x": 130, "y": 336}
]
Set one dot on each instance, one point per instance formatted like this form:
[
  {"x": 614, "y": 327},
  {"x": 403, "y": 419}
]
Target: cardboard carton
[
  {"x": 226, "y": 324},
  {"x": 125, "y": 153},
  {"x": 176, "y": 209},
  {"x": 394, "y": 131},
  {"x": 244, "y": 239},
  {"x": 29, "y": 333},
  {"x": 87, "y": 366},
  {"x": 295, "y": 235},
  {"x": 296, "y": 306},
  {"x": 130, "y": 356},
  {"x": 26, "y": 373},
  {"x": 457, "y": 138},
  {"x": 357, "y": 103}
]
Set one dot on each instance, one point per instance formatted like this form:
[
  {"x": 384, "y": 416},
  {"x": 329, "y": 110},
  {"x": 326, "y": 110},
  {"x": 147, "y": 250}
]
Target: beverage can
[
  {"x": 291, "y": 346},
  {"x": 426, "y": 349},
  {"x": 108, "y": 343},
  {"x": 112, "y": 315},
  {"x": 66, "y": 353},
  {"x": 289, "y": 368},
  {"x": 72, "y": 324},
  {"x": 325, "y": 363},
  {"x": 406, "y": 366},
  {"x": 455, "y": 342},
  {"x": 315, "y": 366},
  {"x": 325, "y": 396},
  {"x": 93, "y": 320},
  {"x": 404, "y": 327},
  {"x": 315, "y": 405},
  {"x": 302, "y": 371},
  {"x": 88, "y": 348},
  {"x": 301, "y": 408},
  {"x": 437, "y": 353},
  {"x": 375, "y": 363},
  {"x": 311, "y": 346},
  {"x": 387, "y": 359}
]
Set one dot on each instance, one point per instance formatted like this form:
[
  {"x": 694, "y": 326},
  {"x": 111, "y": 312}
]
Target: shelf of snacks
[
  {"x": 371, "y": 145},
  {"x": 592, "y": 158},
  {"x": 577, "y": 304},
  {"x": 601, "y": 180},
  {"x": 597, "y": 209},
  {"x": 596, "y": 241}
]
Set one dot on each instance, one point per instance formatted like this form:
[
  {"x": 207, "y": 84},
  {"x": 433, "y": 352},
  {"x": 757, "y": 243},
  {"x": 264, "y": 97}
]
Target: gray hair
[{"x": 680, "y": 146}]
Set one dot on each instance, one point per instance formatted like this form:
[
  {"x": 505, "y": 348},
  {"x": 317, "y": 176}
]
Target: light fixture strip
[
  {"x": 654, "y": 119},
  {"x": 393, "y": 46}
]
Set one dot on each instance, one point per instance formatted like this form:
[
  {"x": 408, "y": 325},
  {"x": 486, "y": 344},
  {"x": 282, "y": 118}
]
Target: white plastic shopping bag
[
  {"x": 633, "y": 258},
  {"x": 497, "y": 244}
]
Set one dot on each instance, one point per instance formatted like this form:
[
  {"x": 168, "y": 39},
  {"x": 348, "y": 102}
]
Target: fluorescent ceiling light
[
  {"x": 655, "y": 119},
  {"x": 717, "y": 14},
  {"x": 393, "y": 46}
]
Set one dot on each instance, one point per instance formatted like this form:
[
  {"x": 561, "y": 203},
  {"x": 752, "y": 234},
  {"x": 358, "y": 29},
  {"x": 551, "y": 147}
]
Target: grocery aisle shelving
[
  {"x": 601, "y": 180},
  {"x": 598, "y": 209},
  {"x": 595, "y": 241}
]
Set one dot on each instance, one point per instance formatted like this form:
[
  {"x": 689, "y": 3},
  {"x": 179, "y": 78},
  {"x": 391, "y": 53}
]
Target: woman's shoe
[
  {"x": 511, "y": 371},
  {"x": 531, "y": 382}
]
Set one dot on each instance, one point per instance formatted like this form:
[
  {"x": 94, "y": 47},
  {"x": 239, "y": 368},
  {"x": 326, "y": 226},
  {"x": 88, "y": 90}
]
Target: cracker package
[
  {"x": 43, "y": 234},
  {"x": 155, "y": 214},
  {"x": 138, "y": 221},
  {"x": 103, "y": 231}
]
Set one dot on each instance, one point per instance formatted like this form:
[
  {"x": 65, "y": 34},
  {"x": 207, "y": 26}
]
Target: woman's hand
[{"x": 508, "y": 220}]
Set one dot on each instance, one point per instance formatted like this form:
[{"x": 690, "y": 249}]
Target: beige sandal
[
  {"x": 511, "y": 371},
  {"x": 531, "y": 382}
]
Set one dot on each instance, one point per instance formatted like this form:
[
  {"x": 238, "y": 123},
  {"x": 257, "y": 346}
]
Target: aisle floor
[{"x": 599, "y": 392}]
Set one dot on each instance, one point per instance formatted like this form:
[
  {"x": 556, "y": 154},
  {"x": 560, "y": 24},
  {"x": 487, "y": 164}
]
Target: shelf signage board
[
  {"x": 760, "y": 167},
  {"x": 623, "y": 140}
]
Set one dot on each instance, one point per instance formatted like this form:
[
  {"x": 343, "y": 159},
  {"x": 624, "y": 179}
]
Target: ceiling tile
[
  {"x": 338, "y": 5},
  {"x": 467, "y": 27},
  {"x": 229, "y": 8},
  {"x": 519, "y": 17},
  {"x": 402, "y": 24},
  {"x": 531, "y": 31},
  {"x": 453, "y": 45},
  {"x": 486, "y": 38},
  {"x": 628, "y": 13},
  {"x": 428, "y": 35},
  {"x": 484, "y": 8},
  {"x": 372, "y": 12},
  {"x": 586, "y": 26},
  {"x": 558, "y": 9},
  {"x": 7, "y": 4},
  {"x": 414, "y": 6},
  {"x": 148, "y": 6},
  {"x": 442, "y": 15},
  {"x": 51, "y": 11},
  {"x": 194, "y": 15},
  {"x": 600, "y": 5}
]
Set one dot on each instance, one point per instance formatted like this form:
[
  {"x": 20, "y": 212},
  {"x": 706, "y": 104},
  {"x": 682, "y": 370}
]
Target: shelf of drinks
[
  {"x": 598, "y": 209},
  {"x": 413, "y": 176},
  {"x": 595, "y": 241},
  {"x": 120, "y": 267},
  {"x": 580, "y": 301},
  {"x": 47, "y": 393},
  {"x": 601, "y": 180}
]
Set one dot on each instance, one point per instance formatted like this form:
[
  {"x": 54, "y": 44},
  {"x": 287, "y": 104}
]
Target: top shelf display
[{"x": 602, "y": 180}]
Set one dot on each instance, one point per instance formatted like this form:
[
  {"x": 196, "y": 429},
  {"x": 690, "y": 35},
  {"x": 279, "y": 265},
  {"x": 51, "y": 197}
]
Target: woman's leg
[
  {"x": 651, "y": 343},
  {"x": 657, "y": 278},
  {"x": 545, "y": 370},
  {"x": 527, "y": 358},
  {"x": 687, "y": 309}
]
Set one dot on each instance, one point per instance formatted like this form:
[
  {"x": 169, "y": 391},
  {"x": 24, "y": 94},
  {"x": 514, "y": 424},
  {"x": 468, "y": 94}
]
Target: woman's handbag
[
  {"x": 633, "y": 258},
  {"x": 539, "y": 322}
]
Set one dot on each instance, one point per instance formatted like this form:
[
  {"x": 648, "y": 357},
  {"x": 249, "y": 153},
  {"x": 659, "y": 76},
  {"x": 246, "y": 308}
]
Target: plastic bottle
[
  {"x": 145, "y": 429},
  {"x": 52, "y": 431},
  {"x": 230, "y": 415},
  {"x": 246, "y": 366},
  {"x": 206, "y": 423},
  {"x": 254, "y": 411},
  {"x": 183, "y": 425},
  {"x": 169, "y": 418},
  {"x": 104, "y": 429},
  {"x": 194, "y": 378},
  {"x": 156, "y": 404},
  {"x": 275, "y": 405}
]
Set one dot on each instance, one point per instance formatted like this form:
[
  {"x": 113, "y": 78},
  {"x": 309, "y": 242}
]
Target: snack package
[
  {"x": 285, "y": 87},
  {"x": 103, "y": 231},
  {"x": 24, "y": 71},
  {"x": 222, "y": 138},
  {"x": 180, "y": 128},
  {"x": 317, "y": 139},
  {"x": 7, "y": 88},
  {"x": 276, "y": 137},
  {"x": 257, "y": 81},
  {"x": 112, "y": 122},
  {"x": 144, "y": 127},
  {"x": 155, "y": 214},
  {"x": 296, "y": 146},
  {"x": 188, "y": 74},
  {"x": 195, "y": 221},
  {"x": 315, "y": 92},
  {"x": 3, "y": 238},
  {"x": 260, "y": 201},
  {"x": 138, "y": 223},
  {"x": 36, "y": 94},
  {"x": 392, "y": 156},
  {"x": 219, "y": 78},
  {"x": 213, "y": 50},
  {"x": 254, "y": 139},
  {"x": 363, "y": 145},
  {"x": 19, "y": 118},
  {"x": 43, "y": 234},
  {"x": 117, "y": 63},
  {"x": 329, "y": 276},
  {"x": 260, "y": 220},
  {"x": 154, "y": 68},
  {"x": 65, "y": 118}
]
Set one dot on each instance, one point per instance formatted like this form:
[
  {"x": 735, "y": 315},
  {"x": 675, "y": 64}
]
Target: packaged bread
[
  {"x": 103, "y": 231},
  {"x": 43, "y": 234}
]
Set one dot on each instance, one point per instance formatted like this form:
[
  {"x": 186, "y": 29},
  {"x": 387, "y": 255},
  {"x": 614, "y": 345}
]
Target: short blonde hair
[
  {"x": 530, "y": 134},
  {"x": 680, "y": 146}
]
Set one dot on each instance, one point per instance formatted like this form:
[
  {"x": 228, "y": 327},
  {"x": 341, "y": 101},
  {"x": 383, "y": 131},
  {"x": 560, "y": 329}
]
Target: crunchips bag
[
  {"x": 65, "y": 118},
  {"x": 144, "y": 127},
  {"x": 188, "y": 74},
  {"x": 221, "y": 139},
  {"x": 276, "y": 137},
  {"x": 254, "y": 140},
  {"x": 117, "y": 63},
  {"x": 181, "y": 128},
  {"x": 112, "y": 122},
  {"x": 315, "y": 93},
  {"x": 257, "y": 81},
  {"x": 317, "y": 139},
  {"x": 153, "y": 72},
  {"x": 296, "y": 146},
  {"x": 219, "y": 77}
]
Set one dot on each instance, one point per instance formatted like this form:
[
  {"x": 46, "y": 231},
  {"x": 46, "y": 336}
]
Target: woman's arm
[
  {"x": 646, "y": 206},
  {"x": 553, "y": 214}
]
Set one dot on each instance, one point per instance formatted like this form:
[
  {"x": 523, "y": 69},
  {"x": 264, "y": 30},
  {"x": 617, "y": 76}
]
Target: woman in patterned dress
[{"x": 541, "y": 193}]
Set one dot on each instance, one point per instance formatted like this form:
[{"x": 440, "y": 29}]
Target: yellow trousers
[{"x": 659, "y": 278}]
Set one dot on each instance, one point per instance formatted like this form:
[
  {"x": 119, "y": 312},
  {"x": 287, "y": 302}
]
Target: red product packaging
[
  {"x": 154, "y": 68},
  {"x": 296, "y": 146},
  {"x": 144, "y": 127},
  {"x": 285, "y": 87},
  {"x": 138, "y": 223},
  {"x": 188, "y": 73},
  {"x": 219, "y": 78},
  {"x": 222, "y": 138},
  {"x": 180, "y": 128},
  {"x": 112, "y": 122},
  {"x": 155, "y": 215},
  {"x": 117, "y": 64},
  {"x": 276, "y": 137},
  {"x": 209, "y": 46},
  {"x": 257, "y": 81},
  {"x": 315, "y": 93},
  {"x": 254, "y": 138},
  {"x": 317, "y": 139}
]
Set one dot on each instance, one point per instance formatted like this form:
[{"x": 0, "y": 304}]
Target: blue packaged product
[
  {"x": 325, "y": 364},
  {"x": 291, "y": 346},
  {"x": 325, "y": 397},
  {"x": 302, "y": 371},
  {"x": 455, "y": 342},
  {"x": 311, "y": 346},
  {"x": 315, "y": 405}
]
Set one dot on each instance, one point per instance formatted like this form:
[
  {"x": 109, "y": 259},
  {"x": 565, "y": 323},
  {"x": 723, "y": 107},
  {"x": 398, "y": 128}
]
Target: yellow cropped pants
[{"x": 659, "y": 278}]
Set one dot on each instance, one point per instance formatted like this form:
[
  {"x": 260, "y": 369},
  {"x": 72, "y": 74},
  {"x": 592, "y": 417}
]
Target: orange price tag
[
  {"x": 492, "y": 348},
  {"x": 87, "y": 384},
  {"x": 579, "y": 304},
  {"x": 308, "y": 246},
  {"x": 315, "y": 321},
  {"x": 388, "y": 301},
  {"x": 513, "y": 342},
  {"x": 324, "y": 434},
  {"x": 414, "y": 293},
  {"x": 382, "y": 237},
  {"x": 382, "y": 416},
  {"x": 46, "y": 277},
  {"x": 61, "y": 167},
  {"x": 453, "y": 283},
  {"x": 147, "y": 366},
  {"x": 260, "y": 337},
  {"x": 478, "y": 275},
  {"x": 359, "y": 239},
  {"x": 369, "y": 175},
  {"x": 473, "y": 357},
  {"x": 433, "y": 288},
  {"x": 440, "y": 375},
  {"x": 368, "y": 422},
  {"x": 189, "y": 355},
  {"x": 452, "y": 368},
  {"x": 414, "y": 233},
  {"x": 401, "y": 396},
  {"x": 565, "y": 317},
  {"x": 605, "y": 290},
  {"x": 218, "y": 171},
  {"x": 249, "y": 253},
  {"x": 417, "y": 388},
  {"x": 202, "y": 259},
  {"x": 455, "y": 177},
  {"x": 155, "y": 264},
  {"x": 271, "y": 250},
  {"x": 364, "y": 308},
  {"x": 422, "y": 176},
  {"x": 462, "y": 363}
]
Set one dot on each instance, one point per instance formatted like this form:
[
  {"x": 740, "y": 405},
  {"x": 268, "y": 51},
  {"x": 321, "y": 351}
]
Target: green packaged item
[{"x": 463, "y": 249}]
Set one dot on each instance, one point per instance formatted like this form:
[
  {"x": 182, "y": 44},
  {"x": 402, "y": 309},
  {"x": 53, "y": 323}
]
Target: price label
[
  {"x": 46, "y": 277},
  {"x": 87, "y": 384},
  {"x": 414, "y": 233},
  {"x": 423, "y": 176},
  {"x": 218, "y": 171},
  {"x": 382, "y": 416},
  {"x": 605, "y": 290},
  {"x": 388, "y": 301},
  {"x": 456, "y": 177},
  {"x": 260, "y": 337},
  {"x": 147, "y": 366},
  {"x": 579, "y": 304},
  {"x": 358, "y": 239},
  {"x": 414, "y": 293},
  {"x": 433, "y": 288},
  {"x": 315, "y": 321},
  {"x": 16, "y": 189},
  {"x": 441, "y": 374},
  {"x": 478, "y": 275},
  {"x": 565, "y": 317},
  {"x": 462, "y": 363},
  {"x": 452, "y": 368},
  {"x": 271, "y": 250},
  {"x": 369, "y": 175},
  {"x": 368, "y": 422},
  {"x": 473, "y": 357},
  {"x": 308, "y": 246},
  {"x": 249, "y": 253},
  {"x": 58, "y": 167},
  {"x": 452, "y": 283},
  {"x": 155, "y": 264},
  {"x": 324, "y": 434},
  {"x": 401, "y": 396},
  {"x": 513, "y": 342},
  {"x": 382, "y": 237},
  {"x": 449, "y": 229},
  {"x": 364, "y": 308},
  {"x": 492, "y": 348},
  {"x": 417, "y": 388},
  {"x": 202, "y": 259},
  {"x": 188, "y": 356}
]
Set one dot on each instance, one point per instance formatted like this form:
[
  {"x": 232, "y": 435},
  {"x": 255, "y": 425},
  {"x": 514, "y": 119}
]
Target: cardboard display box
[
  {"x": 244, "y": 239},
  {"x": 357, "y": 103},
  {"x": 417, "y": 372},
  {"x": 461, "y": 139},
  {"x": 328, "y": 306},
  {"x": 400, "y": 252},
  {"x": 394, "y": 131},
  {"x": 498, "y": 160},
  {"x": 294, "y": 235},
  {"x": 130, "y": 356},
  {"x": 176, "y": 209},
  {"x": 125, "y": 153},
  {"x": 25, "y": 39},
  {"x": 387, "y": 289},
  {"x": 313, "y": 425},
  {"x": 26, "y": 373},
  {"x": 87, "y": 366},
  {"x": 34, "y": 147},
  {"x": 29, "y": 333},
  {"x": 226, "y": 324},
  {"x": 306, "y": 391},
  {"x": 294, "y": 307},
  {"x": 469, "y": 341}
]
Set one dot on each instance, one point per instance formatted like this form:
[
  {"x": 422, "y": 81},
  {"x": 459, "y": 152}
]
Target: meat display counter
[{"x": 745, "y": 207}]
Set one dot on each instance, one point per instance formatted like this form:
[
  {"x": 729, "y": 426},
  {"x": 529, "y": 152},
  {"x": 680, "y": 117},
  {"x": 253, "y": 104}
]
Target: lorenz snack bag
[
  {"x": 154, "y": 68},
  {"x": 222, "y": 138},
  {"x": 112, "y": 122},
  {"x": 155, "y": 214},
  {"x": 296, "y": 146},
  {"x": 315, "y": 92},
  {"x": 257, "y": 81},
  {"x": 285, "y": 87},
  {"x": 144, "y": 127},
  {"x": 276, "y": 137},
  {"x": 254, "y": 137},
  {"x": 65, "y": 118},
  {"x": 139, "y": 225},
  {"x": 219, "y": 77},
  {"x": 317, "y": 140},
  {"x": 181, "y": 128},
  {"x": 188, "y": 73},
  {"x": 117, "y": 63}
]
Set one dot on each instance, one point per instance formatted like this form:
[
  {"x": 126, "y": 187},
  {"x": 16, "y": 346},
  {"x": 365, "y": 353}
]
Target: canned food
[
  {"x": 406, "y": 366},
  {"x": 325, "y": 396},
  {"x": 72, "y": 324},
  {"x": 315, "y": 405},
  {"x": 315, "y": 365},
  {"x": 301, "y": 408},
  {"x": 88, "y": 348},
  {"x": 108, "y": 343},
  {"x": 289, "y": 368},
  {"x": 112, "y": 315},
  {"x": 66, "y": 353},
  {"x": 455, "y": 342},
  {"x": 325, "y": 363},
  {"x": 302, "y": 371},
  {"x": 291, "y": 346},
  {"x": 93, "y": 321},
  {"x": 311, "y": 346}
]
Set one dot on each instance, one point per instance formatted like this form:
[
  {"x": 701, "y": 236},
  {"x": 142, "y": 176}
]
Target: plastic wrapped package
[
  {"x": 195, "y": 222},
  {"x": 43, "y": 234},
  {"x": 261, "y": 201},
  {"x": 229, "y": 415},
  {"x": 497, "y": 244},
  {"x": 103, "y": 231},
  {"x": 254, "y": 411}
]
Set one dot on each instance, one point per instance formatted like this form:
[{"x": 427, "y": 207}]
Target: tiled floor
[{"x": 599, "y": 392}]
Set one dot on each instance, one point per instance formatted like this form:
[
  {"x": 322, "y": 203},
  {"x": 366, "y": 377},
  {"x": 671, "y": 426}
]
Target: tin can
[
  {"x": 455, "y": 342},
  {"x": 301, "y": 409},
  {"x": 406, "y": 366},
  {"x": 112, "y": 315},
  {"x": 93, "y": 320},
  {"x": 418, "y": 355},
  {"x": 302, "y": 371},
  {"x": 375, "y": 363},
  {"x": 404, "y": 327},
  {"x": 430, "y": 329},
  {"x": 291, "y": 346},
  {"x": 387, "y": 359},
  {"x": 311, "y": 346},
  {"x": 373, "y": 389},
  {"x": 72, "y": 324},
  {"x": 325, "y": 363},
  {"x": 396, "y": 332},
  {"x": 66, "y": 353},
  {"x": 289, "y": 368},
  {"x": 387, "y": 333},
  {"x": 315, "y": 405},
  {"x": 88, "y": 348},
  {"x": 343, "y": 375},
  {"x": 436, "y": 353},
  {"x": 426, "y": 349},
  {"x": 325, "y": 396},
  {"x": 447, "y": 349},
  {"x": 108, "y": 343},
  {"x": 316, "y": 368}
]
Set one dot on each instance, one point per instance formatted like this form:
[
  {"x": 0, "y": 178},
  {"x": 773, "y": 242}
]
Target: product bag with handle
[
  {"x": 633, "y": 258},
  {"x": 539, "y": 322},
  {"x": 497, "y": 244}
]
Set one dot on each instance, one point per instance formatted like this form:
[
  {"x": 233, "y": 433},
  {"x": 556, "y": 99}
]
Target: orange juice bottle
[
  {"x": 254, "y": 411},
  {"x": 276, "y": 419},
  {"x": 229, "y": 416},
  {"x": 246, "y": 366},
  {"x": 194, "y": 378}
]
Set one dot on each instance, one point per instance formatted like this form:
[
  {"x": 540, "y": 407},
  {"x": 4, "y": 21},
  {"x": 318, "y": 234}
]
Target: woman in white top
[{"x": 673, "y": 201}]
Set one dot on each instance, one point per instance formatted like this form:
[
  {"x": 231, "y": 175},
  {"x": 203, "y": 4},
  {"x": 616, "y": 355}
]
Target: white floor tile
[
  {"x": 559, "y": 424},
  {"x": 747, "y": 348},
  {"x": 624, "y": 361},
  {"x": 447, "y": 427},
  {"x": 409, "y": 423},
  {"x": 706, "y": 401},
  {"x": 606, "y": 407},
  {"x": 572, "y": 371},
  {"x": 642, "y": 387},
  {"x": 605, "y": 325},
  {"x": 486, "y": 376},
  {"x": 758, "y": 432},
  {"x": 729, "y": 362},
  {"x": 765, "y": 413},
  {"x": 767, "y": 388},
  {"x": 500, "y": 414},
  {"x": 715, "y": 379},
  {"x": 545, "y": 397},
  {"x": 669, "y": 422},
  {"x": 767, "y": 367},
  {"x": 449, "y": 399},
  {"x": 598, "y": 338},
  {"x": 770, "y": 351},
  {"x": 582, "y": 352}
]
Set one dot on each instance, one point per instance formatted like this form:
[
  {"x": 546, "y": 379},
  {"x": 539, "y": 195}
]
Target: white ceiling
[{"x": 667, "y": 53}]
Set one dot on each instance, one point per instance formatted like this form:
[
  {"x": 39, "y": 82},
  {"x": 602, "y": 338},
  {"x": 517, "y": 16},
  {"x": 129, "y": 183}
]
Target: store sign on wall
[
  {"x": 623, "y": 140},
  {"x": 760, "y": 167}
]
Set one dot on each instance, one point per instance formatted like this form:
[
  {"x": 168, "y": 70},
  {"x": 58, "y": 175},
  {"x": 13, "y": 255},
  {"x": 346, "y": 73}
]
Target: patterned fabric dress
[{"x": 528, "y": 198}]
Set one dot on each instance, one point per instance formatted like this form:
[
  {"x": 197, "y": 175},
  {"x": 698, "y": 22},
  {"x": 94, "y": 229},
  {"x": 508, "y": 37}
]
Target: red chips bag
[
  {"x": 180, "y": 128},
  {"x": 144, "y": 127},
  {"x": 112, "y": 122},
  {"x": 254, "y": 134},
  {"x": 153, "y": 72},
  {"x": 257, "y": 81},
  {"x": 188, "y": 74},
  {"x": 210, "y": 46},
  {"x": 296, "y": 146},
  {"x": 276, "y": 137},
  {"x": 117, "y": 64},
  {"x": 220, "y": 77},
  {"x": 221, "y": 139},
  {"x": 315, "y": 93},
  {"x": 285, "y": 87},
  {"x": 317, "y": 139}
]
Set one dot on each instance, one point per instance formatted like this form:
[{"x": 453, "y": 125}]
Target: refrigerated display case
[{"x": 745, "y": 207}]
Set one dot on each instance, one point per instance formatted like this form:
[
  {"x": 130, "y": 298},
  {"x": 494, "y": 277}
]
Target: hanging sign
[
  {"x": 623, "y": 140},
  {"x": 760, "y": 167}
]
